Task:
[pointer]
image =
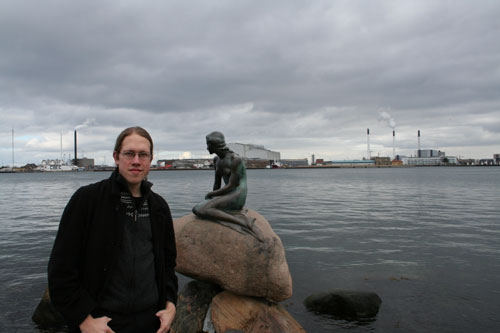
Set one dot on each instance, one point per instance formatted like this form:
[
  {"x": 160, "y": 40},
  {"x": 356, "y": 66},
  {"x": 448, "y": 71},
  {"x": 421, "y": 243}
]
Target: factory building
[
  {"x": 442, "y": 160},
  {"x": 352, "y": 163},
  {"x": 301, "y": 162},
  {"x": 249, "y": 151},
  {"x": 425, "y": 153},
  {"x": 382, "y": 160}
]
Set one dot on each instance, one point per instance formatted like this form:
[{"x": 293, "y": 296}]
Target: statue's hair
[{"x": 217, "y": 138}]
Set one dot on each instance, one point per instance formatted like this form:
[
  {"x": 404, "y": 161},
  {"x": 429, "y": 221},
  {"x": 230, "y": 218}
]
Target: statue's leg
[{"x": 209, "y": 209}]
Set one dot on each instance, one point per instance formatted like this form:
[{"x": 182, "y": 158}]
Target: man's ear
[{"x": 115, "y": 157}]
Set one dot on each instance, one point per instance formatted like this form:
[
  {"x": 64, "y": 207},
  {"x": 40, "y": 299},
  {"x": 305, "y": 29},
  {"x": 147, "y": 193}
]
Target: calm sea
[{"x": 427, "y": 240}]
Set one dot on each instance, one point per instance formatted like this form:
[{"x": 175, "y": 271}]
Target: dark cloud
[{"x": 295, "y": 76}]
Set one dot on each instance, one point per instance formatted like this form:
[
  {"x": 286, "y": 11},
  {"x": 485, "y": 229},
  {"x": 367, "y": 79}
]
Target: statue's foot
[{"x": 257, "y": 234}]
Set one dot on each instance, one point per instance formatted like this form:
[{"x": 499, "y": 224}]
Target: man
[
  {"x": 224, "y": 204},
  {"x": 112, "y": 265}
]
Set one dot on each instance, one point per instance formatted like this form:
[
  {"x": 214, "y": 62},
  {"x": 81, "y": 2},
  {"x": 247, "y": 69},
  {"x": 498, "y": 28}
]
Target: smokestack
[
  {"x": 76, "y": 159},
  {"x": 368, "y": 143},
  {"x": 393, "y": 144},
  {"x": 419, "y": 154},
  {"x": 61, "y": 150}
]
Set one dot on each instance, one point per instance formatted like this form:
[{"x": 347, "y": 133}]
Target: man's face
[{"x": 134, "y": 169}]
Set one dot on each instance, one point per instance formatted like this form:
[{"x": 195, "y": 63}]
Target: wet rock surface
[
  {"x": 344, "y": 304},
  {"x": 234, "y": 313},
  {"x": 192, "y": 305},
  {"x": 46, "y": 315},
  {"x": 237, "y": 262}
]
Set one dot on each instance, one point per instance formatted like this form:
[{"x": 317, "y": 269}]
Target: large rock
[
  {"x": 234, "y": 313},
  {"x": 344, "y": 304},
  {"x": 192, "y": 306},
  {"x": 237, "y": 262},
  {"x": 46, "y": 315}
]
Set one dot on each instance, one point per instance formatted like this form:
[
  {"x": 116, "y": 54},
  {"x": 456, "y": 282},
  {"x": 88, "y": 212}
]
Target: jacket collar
[{"x": 119, "y": 184}]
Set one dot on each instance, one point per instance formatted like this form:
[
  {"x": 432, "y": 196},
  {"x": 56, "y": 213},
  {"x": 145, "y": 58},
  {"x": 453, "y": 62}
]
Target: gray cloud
[{"x": 300, "y": 77}]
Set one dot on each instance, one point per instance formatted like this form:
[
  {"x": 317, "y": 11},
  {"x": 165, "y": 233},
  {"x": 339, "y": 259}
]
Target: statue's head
[{"x": 216, "y": 142}]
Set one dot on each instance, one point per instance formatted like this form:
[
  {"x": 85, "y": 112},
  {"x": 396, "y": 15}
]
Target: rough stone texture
[
  {"x": 46, "y": 315},
  {"x": 344, "y": 304},
  {"x": 237, "y": 262},
  {"x": 234, "y": 313},
  {"x": 192, "y": 306}
]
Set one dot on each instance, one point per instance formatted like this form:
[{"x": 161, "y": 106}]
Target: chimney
[
  {"x": 393, "y": 144},
  {"x": 368, "y": 143},
  {"x": 76, "y": 159},
  {"x": 419, "y": 153}
]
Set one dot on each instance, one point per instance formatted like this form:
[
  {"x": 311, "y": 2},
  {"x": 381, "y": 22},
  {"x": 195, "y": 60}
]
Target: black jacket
[{"x": 86, "y": 248}]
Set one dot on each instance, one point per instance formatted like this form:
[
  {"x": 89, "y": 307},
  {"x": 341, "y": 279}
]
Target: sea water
[{"x": 426, "y": 240}]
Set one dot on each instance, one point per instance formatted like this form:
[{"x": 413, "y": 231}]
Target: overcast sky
[{"x": 299, "y": 77}]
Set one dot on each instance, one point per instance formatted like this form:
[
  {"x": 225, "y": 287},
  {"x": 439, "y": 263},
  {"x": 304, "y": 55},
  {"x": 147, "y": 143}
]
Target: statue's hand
[{"x": 208, "y": 196}]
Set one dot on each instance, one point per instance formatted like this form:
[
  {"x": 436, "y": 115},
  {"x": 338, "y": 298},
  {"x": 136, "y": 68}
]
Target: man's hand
[
  {"x": 96, "y": 325},
  {"x": 166, "y": 317}
]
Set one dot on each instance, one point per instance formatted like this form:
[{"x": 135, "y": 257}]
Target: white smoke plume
[
  {"x": 385, "y": 116},
  {"x": 87, "y": 123}
]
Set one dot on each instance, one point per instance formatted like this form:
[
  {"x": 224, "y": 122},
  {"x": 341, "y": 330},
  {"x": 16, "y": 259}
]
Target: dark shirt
[{"x": 132, "y": 287}]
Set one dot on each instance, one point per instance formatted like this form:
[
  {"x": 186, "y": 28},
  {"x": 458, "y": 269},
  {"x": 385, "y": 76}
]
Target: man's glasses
[{"x": 130, "y": 155}]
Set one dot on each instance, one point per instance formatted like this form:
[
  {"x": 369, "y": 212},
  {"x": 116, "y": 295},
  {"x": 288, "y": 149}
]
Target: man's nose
[{"x": 136, "y": 158}]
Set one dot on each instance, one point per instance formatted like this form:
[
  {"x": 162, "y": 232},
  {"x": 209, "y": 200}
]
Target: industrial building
[
  {"x": 441, "y": 160},
  {"x": 352, "y": 163},
  {"x": 250, "y": 151},
  {"x": 382, "y": 160},
  {"x": 300, "y": 162},
  {"x": 430, "y": 153}
]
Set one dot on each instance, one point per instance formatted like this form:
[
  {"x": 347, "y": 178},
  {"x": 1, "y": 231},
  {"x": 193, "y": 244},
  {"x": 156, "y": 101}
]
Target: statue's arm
[
  {"x": 234, "y": 180},
  {"x": 218, "y": 175},
  {"x": 217, "y": 181}
]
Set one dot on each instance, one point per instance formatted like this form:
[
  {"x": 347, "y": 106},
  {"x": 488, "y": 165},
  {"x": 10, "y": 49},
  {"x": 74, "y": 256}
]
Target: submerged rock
[
  {"x": 234, "y": 313},
  {"x": 46, "y": 315},
  {"x": 192, "y": 306},
  {"x": 237, "y": 262},
  {"x": 344, "y": 303}
]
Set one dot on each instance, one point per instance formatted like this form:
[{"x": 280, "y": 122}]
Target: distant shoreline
[{"x": 285, "y": 168}]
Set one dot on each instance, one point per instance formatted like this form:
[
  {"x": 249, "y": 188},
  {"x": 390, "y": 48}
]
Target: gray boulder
[
  {"x": 237, "y": 262},
  {"x": 344, "y": 304},
  {"x": 192, "y": 306}
]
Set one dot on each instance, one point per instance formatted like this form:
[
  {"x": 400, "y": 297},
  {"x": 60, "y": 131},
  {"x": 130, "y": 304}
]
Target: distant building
[
  {"x": 421, "y": 160},
  {"x": 467, "y": 161},
  {"x": 353, "y": 162},
  {"x": 189, "y": 163},
  {"x": 87, "y": 163},
  {"x": 319, "y": 161},
  {"x": 250, "y": 151},
  {"x": 257, "y": 163},
  {"x": 487, "y": 161},
  {"x": 442, "y": 160},
  {"x": 430, "y": 153},
  {"x": 295, "y": 162},
  {"x": 496, "y": 157},
  {"x": 382, "y": 160}
]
